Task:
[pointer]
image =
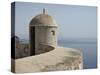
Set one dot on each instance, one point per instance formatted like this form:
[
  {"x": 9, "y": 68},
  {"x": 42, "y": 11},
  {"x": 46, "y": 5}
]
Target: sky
[{"x": 73, "y": 21}]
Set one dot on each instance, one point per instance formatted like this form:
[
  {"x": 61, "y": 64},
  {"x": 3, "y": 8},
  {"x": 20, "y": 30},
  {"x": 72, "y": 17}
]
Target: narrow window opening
[{"x": 53, "y": 32}]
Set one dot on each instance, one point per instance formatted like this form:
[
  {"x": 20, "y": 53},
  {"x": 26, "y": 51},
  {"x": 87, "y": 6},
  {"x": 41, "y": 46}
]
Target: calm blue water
[{"x": 88, "y": 48}]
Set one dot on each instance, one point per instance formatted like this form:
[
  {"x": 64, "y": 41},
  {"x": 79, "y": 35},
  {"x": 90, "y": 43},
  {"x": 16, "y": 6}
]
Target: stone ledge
[{"x": 58, "y": 59}]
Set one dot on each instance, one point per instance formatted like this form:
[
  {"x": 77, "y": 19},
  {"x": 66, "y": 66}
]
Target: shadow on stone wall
[
  {"x": 44, "y": 48},
  {"x": 22, "y": 49}
]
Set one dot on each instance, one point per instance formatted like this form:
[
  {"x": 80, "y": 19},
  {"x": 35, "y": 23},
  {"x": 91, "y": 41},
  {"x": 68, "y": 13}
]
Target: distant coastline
[{"x": 70, "y": 40}]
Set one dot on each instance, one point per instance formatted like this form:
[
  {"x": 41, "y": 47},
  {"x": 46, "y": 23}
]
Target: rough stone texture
[
  {"x": 43, "y": 30},
  {"x": 21, "y": 50},
  {"x": 44, "y": 48},
  {"x": 58, "y": 59},
  {"x": 43, "y": 20},
  {"x": 43, "y": 35}
]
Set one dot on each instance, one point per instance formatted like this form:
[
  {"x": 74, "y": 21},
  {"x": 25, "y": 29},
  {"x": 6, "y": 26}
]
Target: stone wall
[
  {"x": 44, "y": 48},
  {"x": 56, "y": 60},
  {"x": 21, "y": 50}
]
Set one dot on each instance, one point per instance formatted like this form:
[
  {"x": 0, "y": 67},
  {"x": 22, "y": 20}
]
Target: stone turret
[{"x": 43, "y": 31}]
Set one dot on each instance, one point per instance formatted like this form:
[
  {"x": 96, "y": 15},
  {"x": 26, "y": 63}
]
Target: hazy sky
[{"x": 73, "y": 21}]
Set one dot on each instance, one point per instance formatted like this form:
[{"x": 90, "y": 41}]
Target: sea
[{"x": 88, "y": 47}]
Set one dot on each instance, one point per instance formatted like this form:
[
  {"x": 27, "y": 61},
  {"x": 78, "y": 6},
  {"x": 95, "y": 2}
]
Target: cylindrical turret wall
[
  {"x": 45, "y": 35},
  {"x": 42, "y": 33}
]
